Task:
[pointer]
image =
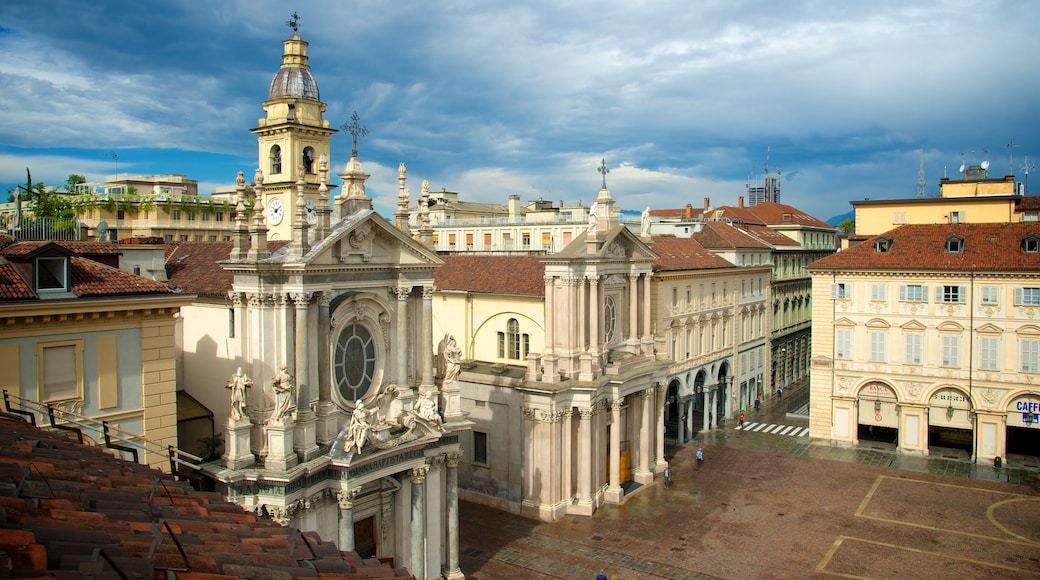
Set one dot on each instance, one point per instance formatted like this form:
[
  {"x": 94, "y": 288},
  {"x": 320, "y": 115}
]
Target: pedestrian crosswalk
[{"x": 773, "y": 428}]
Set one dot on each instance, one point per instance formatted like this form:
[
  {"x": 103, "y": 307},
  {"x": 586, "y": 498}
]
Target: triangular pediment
[
  {"x": 913, "y": 326},
  {"x": 618, "y": 243},
  {"x": 364, "y": 239}
]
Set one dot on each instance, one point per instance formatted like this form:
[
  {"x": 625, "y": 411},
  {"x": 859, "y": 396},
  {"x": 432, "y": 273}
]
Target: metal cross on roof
[
  {"x": 355, "y": 129},
  {"x": 603, "y": 169},
  {"x": 293, "y": 22}
]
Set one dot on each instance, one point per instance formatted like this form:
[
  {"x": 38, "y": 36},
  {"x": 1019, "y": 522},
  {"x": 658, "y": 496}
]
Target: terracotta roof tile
[
  {"x": 12, "y": 285},
  {"x": 723, "y": 236},
  {"x": 676, "y": 254},
  {"x": 78, "y": 248},
  {"x": 89, "y": 278},
  {"x": 1028, "y": 203},
  {"x": 107, "y": 503},
  {"x": 771, "y": 236},
  {"x": 986, "y": 247},
  {"x": 193, "y": 268},
  {"x": 510, "y": 275}
]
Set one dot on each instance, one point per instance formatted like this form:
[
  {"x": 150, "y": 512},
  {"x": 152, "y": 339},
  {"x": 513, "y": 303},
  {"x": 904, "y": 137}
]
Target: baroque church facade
[{"x": 335, "y": 421}]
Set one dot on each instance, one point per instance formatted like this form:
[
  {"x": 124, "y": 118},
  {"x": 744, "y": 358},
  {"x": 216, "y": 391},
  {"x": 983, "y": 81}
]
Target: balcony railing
[{"x": 43, "y": 229}]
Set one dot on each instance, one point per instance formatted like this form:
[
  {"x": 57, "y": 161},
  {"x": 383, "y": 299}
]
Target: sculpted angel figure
[
  {"x": 644, "y": 223},
  {"x": 593, "y": 220},
  {"x": 426, "y": 408},
  {"x": 237, "y": 384}
]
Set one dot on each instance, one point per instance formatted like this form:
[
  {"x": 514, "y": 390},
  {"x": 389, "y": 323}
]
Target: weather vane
[
  {"x": 294, "y": 22},
  {"x": 603, "y": 169},
  {"x": 355, "y": 129}
]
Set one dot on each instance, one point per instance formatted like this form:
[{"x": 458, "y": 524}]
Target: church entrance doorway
[{"x": 365, "y": 537}]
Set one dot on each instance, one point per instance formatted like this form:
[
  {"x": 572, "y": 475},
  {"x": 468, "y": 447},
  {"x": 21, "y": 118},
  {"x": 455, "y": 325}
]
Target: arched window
[
  {"x": 355, "y": 362},
  {"x": 512, "y": 344},
  {"x": 609, "y": 320},
  {"x": 276, "y": 160},
  {"x": 308, "y": 160}
]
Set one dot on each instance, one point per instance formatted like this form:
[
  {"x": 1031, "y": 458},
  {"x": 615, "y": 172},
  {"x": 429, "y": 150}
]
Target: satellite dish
[
  {"x": 984, "y": 165},
  {"x": 961, "y": 170}
]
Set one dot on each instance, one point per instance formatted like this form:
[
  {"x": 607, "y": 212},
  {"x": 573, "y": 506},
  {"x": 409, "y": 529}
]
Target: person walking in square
[
  {"x": 700, "y": 456},
  {"x": 742, "y": 421},
  {"x": 667, "y": 477}
]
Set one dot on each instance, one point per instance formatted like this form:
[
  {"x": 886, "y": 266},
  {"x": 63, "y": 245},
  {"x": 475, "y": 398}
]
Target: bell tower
[{"x": 291, "y": 137}]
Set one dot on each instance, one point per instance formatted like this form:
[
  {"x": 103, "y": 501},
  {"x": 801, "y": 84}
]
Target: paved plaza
[{"x": 766, "y": 504}]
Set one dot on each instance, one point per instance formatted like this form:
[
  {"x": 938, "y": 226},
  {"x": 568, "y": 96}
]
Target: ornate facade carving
[
  {"x": 418, "y": 474},
  {"x": 453, "y": 458},
  {"x": 301, "y": 299},
  {"x": 345, "y": 498}
]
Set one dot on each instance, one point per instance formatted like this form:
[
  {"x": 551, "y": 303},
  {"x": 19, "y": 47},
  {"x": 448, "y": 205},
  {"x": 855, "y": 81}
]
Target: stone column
[
  {"x": 452, "y": 570},
  {"x": 585, "y": 460},
  {"x": 305, "y": 433},
  {"x": 633, "y": 307},
  {"x": 327, "y": 427},
  {"x": 707, "y": 405},
  {"x": 403, "y": 346},
  {"x": 345, "y": 498},
  {"x": 643, "y": 474},
  {"x": 595, "y": 311},
  {"x": 680, "y": 433},
  {"x": 324, "y": 342},
  {"x": 715, "y": 407},
  {"x": 427, "y": 337},
  {"x": 691, "y": 405},
  {"x": 647, "y": 337},
  {"x": 301, "y": 300},
  {"x": 550, "y": 283},
  {"x": 662, "y": 391},
  {"x": 614, "y": 491},
  {"x": 418, "y": 531}
]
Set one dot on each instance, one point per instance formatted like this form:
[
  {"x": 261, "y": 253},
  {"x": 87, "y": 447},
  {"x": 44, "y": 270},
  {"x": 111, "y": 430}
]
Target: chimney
[
  {"x": 707, "y": 202},
  {"x": 514, "y": 205},
  {"x": 740, "y": 201},
  {"x": 688, "y": 213}
]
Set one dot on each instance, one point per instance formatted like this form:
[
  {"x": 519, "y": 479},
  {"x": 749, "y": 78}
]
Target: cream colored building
[
  {"x": 562, "y": 379},
  {"x": 926, "y": 337},
  {"x": 975, "y": 198},
  {"x": 713, "y": 327}
]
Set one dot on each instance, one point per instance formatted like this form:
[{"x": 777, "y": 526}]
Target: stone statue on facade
[
  {"x": 359, "y": 428},
  {"x": 451, "y": 355},
  {"x": 237, "y": 384},
  {"x": 284, "y": 386},
  {"x": 593, "y": 219},
  {"x": 644, "y": 222},
  {"x": 426, "y": 409}
]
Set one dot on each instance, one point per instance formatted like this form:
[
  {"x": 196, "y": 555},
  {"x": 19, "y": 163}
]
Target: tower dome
[{"x": 294, "y": 80}]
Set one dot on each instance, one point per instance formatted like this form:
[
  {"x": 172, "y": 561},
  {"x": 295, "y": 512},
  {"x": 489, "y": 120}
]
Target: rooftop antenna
[
  {"x": 921, "y": 182},
  {"x": 1011, "y": 156},
  {"x": 293, "y": 22},
  {"x": 1026, "y": 166}
]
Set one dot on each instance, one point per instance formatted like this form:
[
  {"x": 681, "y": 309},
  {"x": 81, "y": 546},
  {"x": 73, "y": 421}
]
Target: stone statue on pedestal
[
  {"x": 238, "y": 383},
  {"x": 284, "y": 386}
]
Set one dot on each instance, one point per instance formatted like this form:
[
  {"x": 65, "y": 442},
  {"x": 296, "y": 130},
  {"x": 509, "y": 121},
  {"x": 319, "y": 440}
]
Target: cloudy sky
[{"x": 486, "y": 98}]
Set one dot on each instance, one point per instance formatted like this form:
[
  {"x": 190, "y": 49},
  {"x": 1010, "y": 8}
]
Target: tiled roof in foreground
[
  {"x": 992, "y": 247},
  {"x": 61, "y": 501}
]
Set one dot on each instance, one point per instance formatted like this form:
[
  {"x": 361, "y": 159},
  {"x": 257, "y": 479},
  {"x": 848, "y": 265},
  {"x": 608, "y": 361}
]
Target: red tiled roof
[
  {"x": 6, "y": 240},
  {"x": 12, "y": 285},
  {"x": 723, "y": 236},
  {"x": 1028, "y": 203},
  {"x": 192, "y": 267},
  {"x": 78, "y": 248},
  {"x": 90, "y": 278},
  {"x": 769, "y": 235},
  {"x": 675, "y": 254},
  {"x": 986, "y": 247},
  {"x": 772, "y": 213},
  {"x": 62, "y": 500},
  {"x": 510, "y": 275}
]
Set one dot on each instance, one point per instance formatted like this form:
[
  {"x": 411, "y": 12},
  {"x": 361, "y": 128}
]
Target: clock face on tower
[
  {"x": 311, "y": 211},
  {"x": 275, "y": 211}
]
